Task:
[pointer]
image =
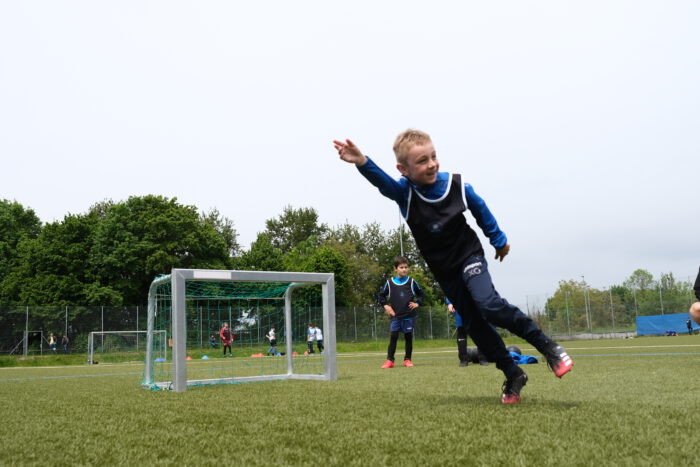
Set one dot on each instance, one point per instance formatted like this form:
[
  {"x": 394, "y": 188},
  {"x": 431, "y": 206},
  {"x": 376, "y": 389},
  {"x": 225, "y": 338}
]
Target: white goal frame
[
  {"x": 91, "y": 341},
  {"x": 177, "y": 278}
]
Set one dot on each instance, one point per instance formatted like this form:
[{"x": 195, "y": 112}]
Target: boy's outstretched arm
[{"x": 349, "y": 152}]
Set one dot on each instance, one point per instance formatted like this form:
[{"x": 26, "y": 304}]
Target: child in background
[
  {"x": 64, "y": 343},
  {"x": 273, "y": 342},
  {"x": 319, "y": 338},
  {"x": 400, "y": 296},
  {"x": 310, "y": 338},
  {"x": 461, "y": 336},
  {"x": 226, "y": 339}
]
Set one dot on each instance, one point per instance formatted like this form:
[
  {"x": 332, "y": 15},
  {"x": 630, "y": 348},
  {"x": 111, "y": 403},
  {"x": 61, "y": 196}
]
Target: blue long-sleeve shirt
[{"x": 398, "y": 191}]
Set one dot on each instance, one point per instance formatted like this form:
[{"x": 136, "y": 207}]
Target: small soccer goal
[
  {"x": 202, "y": 309},
  {"x": 120, "y": 346}
]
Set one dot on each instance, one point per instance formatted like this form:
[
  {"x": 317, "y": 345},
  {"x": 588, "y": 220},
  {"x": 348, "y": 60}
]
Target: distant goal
[{"x": 119, "y": 346}]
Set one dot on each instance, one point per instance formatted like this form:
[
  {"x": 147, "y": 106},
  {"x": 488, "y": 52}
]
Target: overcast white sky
[{"x": 577, "y": 122}]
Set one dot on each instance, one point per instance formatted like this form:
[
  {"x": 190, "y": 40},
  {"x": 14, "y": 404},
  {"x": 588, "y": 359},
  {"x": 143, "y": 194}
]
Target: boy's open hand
[
  {"x": 502, "y": 252},
  {"x": 349, "y": 152}
]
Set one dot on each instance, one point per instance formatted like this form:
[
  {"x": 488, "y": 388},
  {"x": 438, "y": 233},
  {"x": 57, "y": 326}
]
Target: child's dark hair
[{"x": 399, "y": 260}]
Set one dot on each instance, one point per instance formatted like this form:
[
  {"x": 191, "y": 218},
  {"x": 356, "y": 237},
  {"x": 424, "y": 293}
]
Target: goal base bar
[{"x": 168, "y": 385}]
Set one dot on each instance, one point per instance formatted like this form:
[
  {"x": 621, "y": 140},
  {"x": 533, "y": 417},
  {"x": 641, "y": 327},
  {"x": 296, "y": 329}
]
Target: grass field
[{"x": 626, "y": 402}]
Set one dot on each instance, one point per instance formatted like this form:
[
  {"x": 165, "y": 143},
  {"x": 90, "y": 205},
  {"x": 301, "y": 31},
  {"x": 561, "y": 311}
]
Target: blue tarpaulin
[{"x": 661, "y": 325}]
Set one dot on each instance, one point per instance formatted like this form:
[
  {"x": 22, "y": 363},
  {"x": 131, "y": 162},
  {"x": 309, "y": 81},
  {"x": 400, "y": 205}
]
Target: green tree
[
  {"x": 53, "y": 269},
  {"x": 326, "y": 259},
  {"x": 294, "y": 226},
  {"x": 364, "y": 274},
  {"x": 225, "y": 227},
  {"x": 676, "y": 296},
  {"x": 147, "y": 236},
  {"x": 17, "y": 223},
  {"x": 262, "y": 256},
  {"x": 640, "y": 280}
]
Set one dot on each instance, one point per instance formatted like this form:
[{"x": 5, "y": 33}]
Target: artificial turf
[{"x": 626, "y": 402}]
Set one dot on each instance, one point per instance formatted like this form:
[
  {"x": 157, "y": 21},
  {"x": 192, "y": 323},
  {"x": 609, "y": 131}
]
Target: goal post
[
  {"x": 252, "y": 302},
  {"x": 126, "y": 345}
]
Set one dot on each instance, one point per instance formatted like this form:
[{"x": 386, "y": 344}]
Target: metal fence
[{"x": 26, "y": 328}]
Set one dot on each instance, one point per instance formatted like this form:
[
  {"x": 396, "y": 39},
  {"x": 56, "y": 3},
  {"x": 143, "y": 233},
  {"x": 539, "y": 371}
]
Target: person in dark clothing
[
  {"x": 400, "y": 296},
  {"x": 433, "y": 204},
  {"x": 462, "y": 353},
  {"x": 226, "y": 339},
  {"x": 695, "y": 307}
]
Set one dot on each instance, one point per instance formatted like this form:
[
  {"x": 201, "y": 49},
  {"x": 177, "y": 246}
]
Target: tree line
[
  {"x": 109, "y": 255},
  {"x": 578, "y": 307}
]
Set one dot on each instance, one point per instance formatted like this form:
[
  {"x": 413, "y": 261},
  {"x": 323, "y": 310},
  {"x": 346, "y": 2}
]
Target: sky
[{"x": 577, "y": 122}]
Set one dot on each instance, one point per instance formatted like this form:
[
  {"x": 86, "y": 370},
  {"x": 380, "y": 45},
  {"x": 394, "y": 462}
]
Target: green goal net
[{"x": 194, "y": 306}]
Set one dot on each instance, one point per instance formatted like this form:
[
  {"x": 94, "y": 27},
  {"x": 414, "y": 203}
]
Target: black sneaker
[
  {"x": 464, "y": 363},
  {"x": 558, "y": 360},
  {"x": 512, "y": 388}
]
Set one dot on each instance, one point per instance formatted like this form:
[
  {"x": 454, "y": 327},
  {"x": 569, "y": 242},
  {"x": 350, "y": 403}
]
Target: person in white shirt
[
  {"x": 319, "y": 339},
  {"x": 273, "y": 342},
  {"x": 310, "y": 338}
]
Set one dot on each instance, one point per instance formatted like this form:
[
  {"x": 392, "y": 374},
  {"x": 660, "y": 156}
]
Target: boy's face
[
  {"x": 421, "y": 164},
  {"x": 402, "y": 270}
]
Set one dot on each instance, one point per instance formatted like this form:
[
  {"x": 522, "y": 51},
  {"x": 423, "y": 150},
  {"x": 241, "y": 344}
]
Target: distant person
[
  {"x": 64, "y": 343},
  {"x": 310, "y": 338},
  {"x": 695, "y": 307},
  {"x": 271, "y": 336},
  {"x": 52, "y": 342},
  {"x": 462, "y": 353},
  {"x": 212, "y": 341},
  {"x": 319, "y": 339},
  {"x": 689, "y": 324},
  {"x": 226, "y": 339},
  {"x": 400, "y": 296},
  {"x": 433, "y": 204}
]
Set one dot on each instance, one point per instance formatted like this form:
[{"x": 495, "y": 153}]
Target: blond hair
[{"x": 406, "y": 140}]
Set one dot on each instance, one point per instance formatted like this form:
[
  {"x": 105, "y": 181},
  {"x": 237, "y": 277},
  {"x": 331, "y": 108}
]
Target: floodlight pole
[
  {"x": 612, "y": 314},
  {"x": 401, "y": 232},
  {"x": 26, "y": 333},
  {"x": 566, "y": 301}
]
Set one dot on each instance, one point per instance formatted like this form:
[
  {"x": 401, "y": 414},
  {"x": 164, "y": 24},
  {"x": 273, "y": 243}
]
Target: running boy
[
  {"x": 400, "y": 296},
  {"x": 432, "y": 204},
  {"x": 226, "y": 339}
]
